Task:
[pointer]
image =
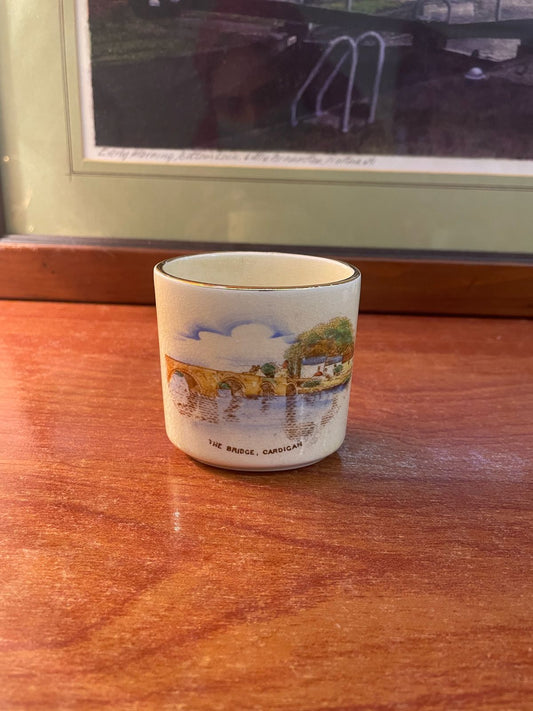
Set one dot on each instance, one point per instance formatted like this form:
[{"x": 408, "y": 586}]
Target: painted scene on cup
[{"x": 296, "y": 388}]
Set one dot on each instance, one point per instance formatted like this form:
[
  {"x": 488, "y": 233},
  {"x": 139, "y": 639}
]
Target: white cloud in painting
[{"x": 238, "y": 350}]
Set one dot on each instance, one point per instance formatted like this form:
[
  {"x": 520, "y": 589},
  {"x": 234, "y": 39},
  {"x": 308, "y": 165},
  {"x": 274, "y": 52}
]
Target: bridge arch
[
  {"x": 192, "y": 383},
  {"x": 234, "y": 384},
  {"x": 268, "y": 389}
]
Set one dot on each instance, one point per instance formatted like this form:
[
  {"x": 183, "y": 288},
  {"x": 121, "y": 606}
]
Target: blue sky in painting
[{"x": 237, "y": 346}]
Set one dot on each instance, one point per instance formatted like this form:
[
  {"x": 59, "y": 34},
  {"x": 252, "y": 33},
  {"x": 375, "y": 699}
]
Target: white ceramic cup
[{"x": 256, "y": 356}]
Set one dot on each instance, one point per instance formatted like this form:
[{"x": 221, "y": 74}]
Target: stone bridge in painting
[{"x": 208, "y": 381}]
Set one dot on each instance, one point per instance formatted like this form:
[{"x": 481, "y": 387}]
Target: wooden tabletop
[{"x": 396, "y": 574}]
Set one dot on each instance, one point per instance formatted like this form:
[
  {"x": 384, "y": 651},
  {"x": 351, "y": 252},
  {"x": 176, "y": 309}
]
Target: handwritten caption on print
[{"x": 238, "y": 158}]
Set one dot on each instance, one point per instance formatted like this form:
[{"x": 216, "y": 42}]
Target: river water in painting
[{"x": 298, "y": 416}]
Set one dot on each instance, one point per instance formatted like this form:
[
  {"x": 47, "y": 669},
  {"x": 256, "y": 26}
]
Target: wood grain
[
  {"x": 120, "y": 271},
  {"x": 396, "y": 574}
]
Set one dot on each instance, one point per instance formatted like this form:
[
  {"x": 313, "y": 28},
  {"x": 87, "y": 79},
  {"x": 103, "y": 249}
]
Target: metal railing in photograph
[{"x": 353, "y": 53}]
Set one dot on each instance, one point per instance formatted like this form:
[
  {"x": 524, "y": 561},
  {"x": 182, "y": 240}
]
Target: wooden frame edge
[{"x": 400, "y": 281}]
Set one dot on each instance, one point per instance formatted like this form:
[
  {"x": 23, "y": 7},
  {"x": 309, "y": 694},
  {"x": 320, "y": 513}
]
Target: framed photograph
[
  {"x": 388, "y": 124},
  {"x": 377, "y": 85}
]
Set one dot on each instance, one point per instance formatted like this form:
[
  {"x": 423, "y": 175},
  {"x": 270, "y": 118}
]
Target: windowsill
[{"x": 395, "y": 570}]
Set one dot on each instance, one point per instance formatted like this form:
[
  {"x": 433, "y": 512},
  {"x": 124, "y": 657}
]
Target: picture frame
[{"x": 60, "y": 200}]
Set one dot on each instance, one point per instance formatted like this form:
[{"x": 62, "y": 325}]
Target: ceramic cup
[{"x": 256, "y": 356}]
